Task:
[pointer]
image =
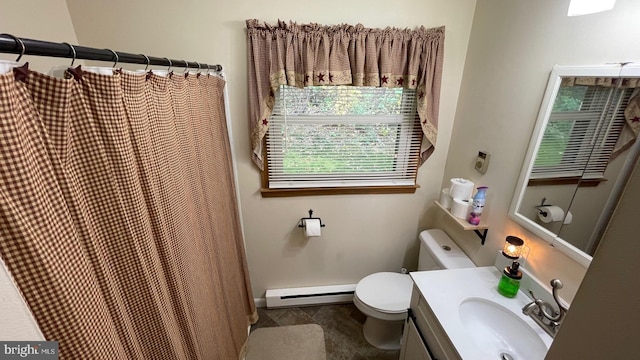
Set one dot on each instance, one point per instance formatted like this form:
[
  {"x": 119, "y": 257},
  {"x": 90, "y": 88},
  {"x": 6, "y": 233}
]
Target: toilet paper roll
[
  {"x": 569, "y": 218},
  {"x": 445, "y": 198},
  {"x": 547, "y": 214},
  {"x": 461, "y": 188},
  {"x": 312, "y": 227},
  {"x": 460, "y": 208}
]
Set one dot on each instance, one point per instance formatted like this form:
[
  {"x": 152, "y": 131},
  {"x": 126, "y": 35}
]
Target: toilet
[{"x": 384, "y": 297}]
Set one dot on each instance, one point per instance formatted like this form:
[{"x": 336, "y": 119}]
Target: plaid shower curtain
[{"x": 119, "y": 221}]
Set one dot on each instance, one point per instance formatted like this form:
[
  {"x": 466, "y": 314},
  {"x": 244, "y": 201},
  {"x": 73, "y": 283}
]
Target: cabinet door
[{"x": 412, "y": 346}]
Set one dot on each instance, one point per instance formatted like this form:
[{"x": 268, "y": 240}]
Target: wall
[
  {"x": 40, "y": 20},
  {"x": 513, "y": 47},
  {"x": 34, "y": 19},
  {"x": 604, "y": 321},
  {"x": 364, "y": 233}
]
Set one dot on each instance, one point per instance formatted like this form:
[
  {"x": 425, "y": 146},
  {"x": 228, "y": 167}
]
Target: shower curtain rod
[{"x": 14, "y": 45}]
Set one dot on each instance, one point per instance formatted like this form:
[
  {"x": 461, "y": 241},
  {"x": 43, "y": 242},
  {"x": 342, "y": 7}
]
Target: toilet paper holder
[
  {"x": 301, "y": 224},
  {"x": 542, "y": 212}
]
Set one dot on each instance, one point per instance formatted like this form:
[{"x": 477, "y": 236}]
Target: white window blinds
[
  {"x": 343, "y": 136},
  {"x": 583, "y": 129}
]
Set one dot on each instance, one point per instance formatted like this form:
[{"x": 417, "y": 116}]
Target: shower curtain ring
[
  {"x": 73, "y": 50},
  {"x": 170, "y": 64},
  {"x": 186, "y": 67},
  {"x": 148, "y": 61},
  {"x": 18, "y": 41},
  {"x": 117, "y": 57}
]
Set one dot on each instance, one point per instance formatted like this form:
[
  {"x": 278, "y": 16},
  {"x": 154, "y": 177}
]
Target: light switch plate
[{"x": 482, "y": 162}]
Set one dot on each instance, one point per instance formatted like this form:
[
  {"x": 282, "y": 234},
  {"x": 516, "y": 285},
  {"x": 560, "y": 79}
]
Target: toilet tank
[{"x": 438, "y": 251}]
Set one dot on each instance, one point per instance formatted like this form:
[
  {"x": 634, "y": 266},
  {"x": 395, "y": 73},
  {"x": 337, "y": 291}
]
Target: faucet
[{"x": 544, "y": 313}]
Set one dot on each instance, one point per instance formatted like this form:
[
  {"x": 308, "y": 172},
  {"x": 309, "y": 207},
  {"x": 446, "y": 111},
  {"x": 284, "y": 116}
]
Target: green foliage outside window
[
  {"x": 313, "y": 148},
  {"x": 557, "y": 133}
]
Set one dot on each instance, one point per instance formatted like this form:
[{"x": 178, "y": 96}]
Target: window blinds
[
  {"x": 343, "y": 136},
  {"x": 581, "y": 133}
]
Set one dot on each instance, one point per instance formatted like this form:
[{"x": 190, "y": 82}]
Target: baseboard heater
[{"x": 312, "y": 295}]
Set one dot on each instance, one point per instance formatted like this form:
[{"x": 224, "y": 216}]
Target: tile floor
[{"x": 342, "y": 326}]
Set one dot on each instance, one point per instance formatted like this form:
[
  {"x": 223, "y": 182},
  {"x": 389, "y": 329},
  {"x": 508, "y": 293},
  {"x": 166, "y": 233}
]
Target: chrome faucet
[{"x": 544, "y": 313}]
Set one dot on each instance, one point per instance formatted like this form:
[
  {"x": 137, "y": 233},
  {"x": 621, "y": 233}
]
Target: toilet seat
[{"x": 384, "y": 295}]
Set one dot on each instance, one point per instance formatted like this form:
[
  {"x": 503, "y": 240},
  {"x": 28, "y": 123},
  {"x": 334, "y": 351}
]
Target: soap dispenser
[{"x": 510, "y": 282}]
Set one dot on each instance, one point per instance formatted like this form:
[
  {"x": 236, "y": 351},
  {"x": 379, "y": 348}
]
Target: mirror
[{"x": 580, "y": 156}]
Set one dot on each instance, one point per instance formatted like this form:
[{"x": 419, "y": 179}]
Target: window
[
  {"x": 328, "y": 137},
  {"x": 583, "y": 129}
]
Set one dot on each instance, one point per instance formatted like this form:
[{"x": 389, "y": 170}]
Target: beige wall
[
  {"x": 37, "y": 19},
  {"x": 604, "y": 321},
  {"x": 43, "y": 20},
  {"x": 513, "y": 47},
  {"x": 364, "y": 233}
]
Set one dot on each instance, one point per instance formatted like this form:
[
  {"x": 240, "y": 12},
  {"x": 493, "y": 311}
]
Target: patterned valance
[
  {"x": 601, "y": 81},
  {"x": 311, "y": 54}
]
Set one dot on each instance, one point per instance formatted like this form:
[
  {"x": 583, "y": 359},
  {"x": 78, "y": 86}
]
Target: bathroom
[{"x": 491, "y": 45}]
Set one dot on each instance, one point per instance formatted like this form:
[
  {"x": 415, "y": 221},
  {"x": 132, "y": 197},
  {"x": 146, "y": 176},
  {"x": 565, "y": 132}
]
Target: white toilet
[{"x": 384, "y": 297}]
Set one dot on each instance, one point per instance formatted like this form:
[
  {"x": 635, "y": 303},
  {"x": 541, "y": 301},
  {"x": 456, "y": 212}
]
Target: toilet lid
[{"x": 386, "y": 291}]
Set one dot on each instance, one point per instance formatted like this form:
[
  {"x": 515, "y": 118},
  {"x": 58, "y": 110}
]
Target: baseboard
[
  {"x": 311, "y": 295},
  {"x": 260, "y": 302}
]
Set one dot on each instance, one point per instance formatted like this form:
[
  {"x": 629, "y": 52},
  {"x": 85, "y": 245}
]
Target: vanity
[{"x": 458, "y": 314}]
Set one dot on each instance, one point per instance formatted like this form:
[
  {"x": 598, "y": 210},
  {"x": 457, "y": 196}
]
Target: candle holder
[{"x": 512, "y": 247}]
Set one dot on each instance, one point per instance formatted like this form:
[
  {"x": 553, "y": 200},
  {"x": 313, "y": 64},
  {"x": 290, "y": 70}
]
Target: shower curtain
[{"x": 119, "y": 221}]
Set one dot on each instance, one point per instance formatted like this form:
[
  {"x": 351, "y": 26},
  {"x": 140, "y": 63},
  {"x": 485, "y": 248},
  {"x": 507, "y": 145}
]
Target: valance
[
  {"x": 317, "y": 55},
  {"x": 601, "y": 81}
]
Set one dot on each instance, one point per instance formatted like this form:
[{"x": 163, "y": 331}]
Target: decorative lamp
[
  {"x": 584, "y": 7},
  {"x": 512, "y": 247}
]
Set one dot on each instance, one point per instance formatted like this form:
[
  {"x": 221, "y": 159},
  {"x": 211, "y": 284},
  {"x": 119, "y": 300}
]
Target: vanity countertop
[{"x": 445, "y": 290}]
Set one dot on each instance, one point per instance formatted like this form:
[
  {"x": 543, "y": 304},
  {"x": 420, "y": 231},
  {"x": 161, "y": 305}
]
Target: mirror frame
[{"x": 553, "y": 85}]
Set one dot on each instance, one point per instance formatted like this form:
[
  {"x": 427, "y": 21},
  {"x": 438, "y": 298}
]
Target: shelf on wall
[{"x": 466, "y": 226}]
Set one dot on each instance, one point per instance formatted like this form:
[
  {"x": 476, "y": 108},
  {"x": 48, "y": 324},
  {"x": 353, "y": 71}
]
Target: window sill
[
  {"x": 566, "y": 181},
  {"x": 339, "y": 191}
]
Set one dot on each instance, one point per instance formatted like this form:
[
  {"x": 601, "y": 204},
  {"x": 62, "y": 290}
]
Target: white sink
[
  {"x": 480, "y": 323},
  {"x": 499, "y": 332}
]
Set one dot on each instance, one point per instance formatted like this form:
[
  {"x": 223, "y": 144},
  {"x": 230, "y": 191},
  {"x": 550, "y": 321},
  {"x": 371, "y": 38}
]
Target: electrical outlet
[{"x": 482, "y": 162}]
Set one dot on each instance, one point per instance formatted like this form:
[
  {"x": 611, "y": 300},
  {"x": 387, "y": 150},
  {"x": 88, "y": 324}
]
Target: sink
[{"x": 499, "y": 332}]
